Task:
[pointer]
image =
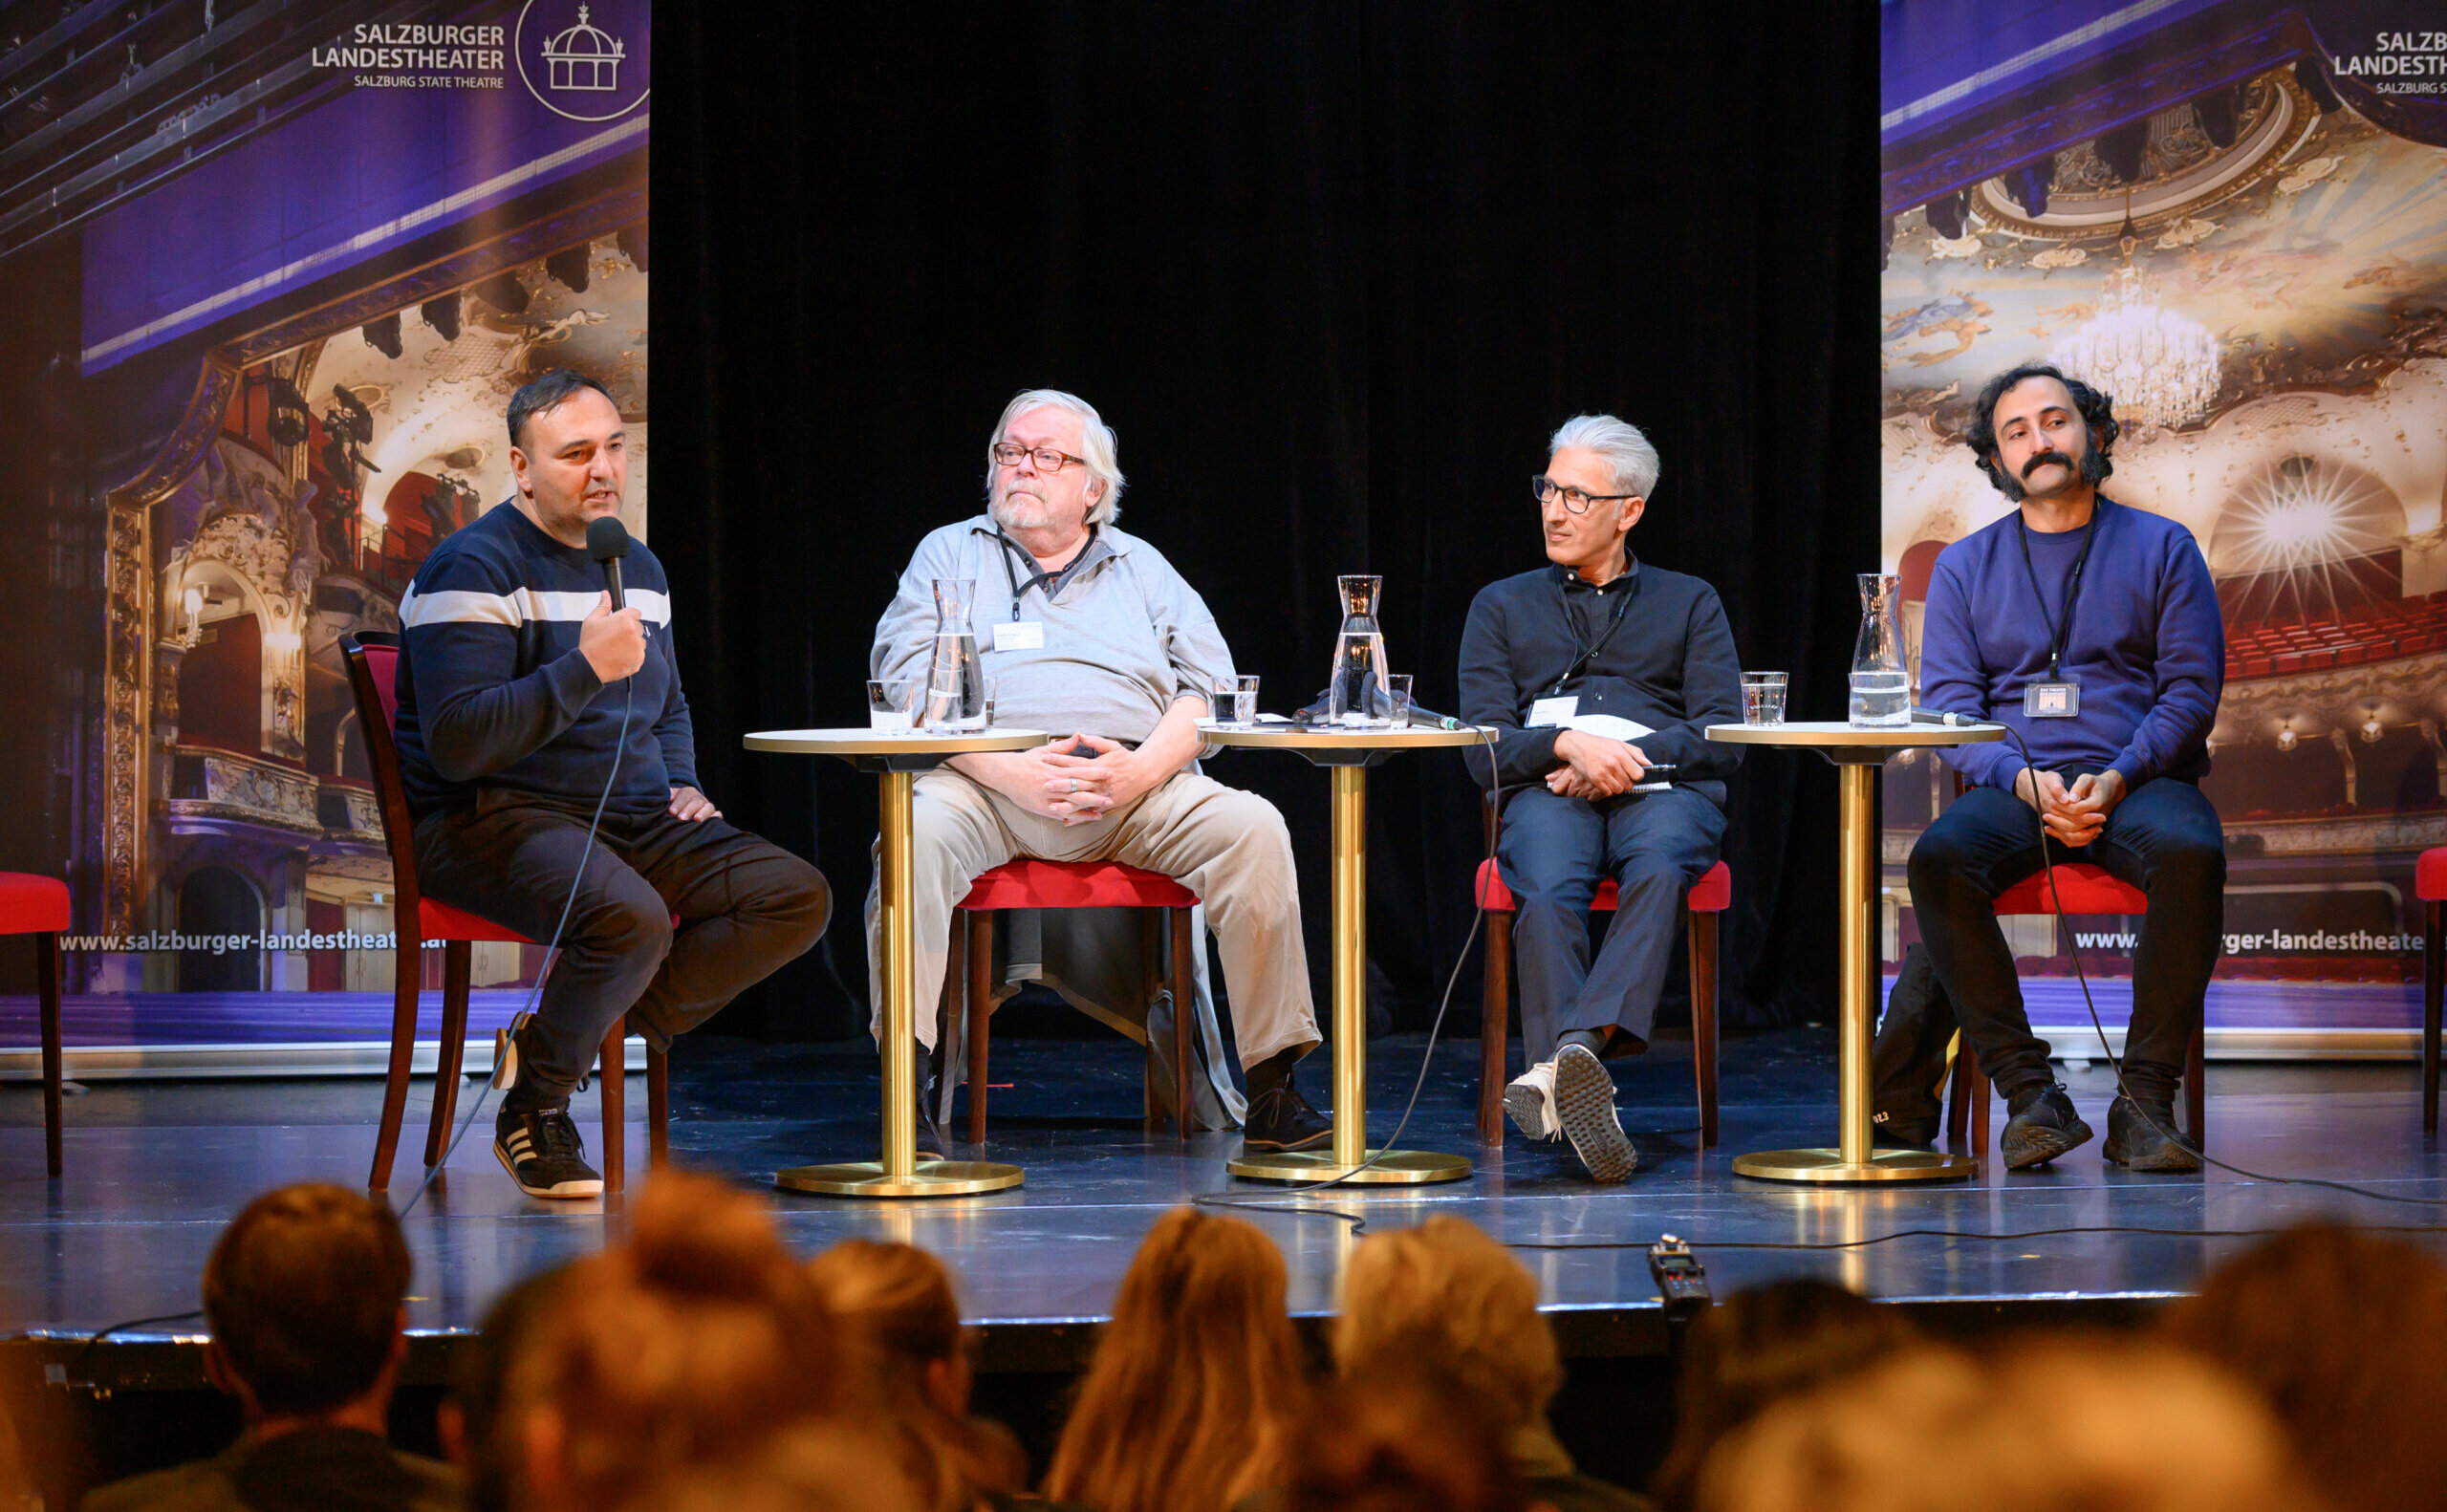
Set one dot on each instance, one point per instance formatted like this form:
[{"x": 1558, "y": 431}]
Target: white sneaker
[
  {"x": 1530, "y": 1102},
  {"x": 1585, "y": 1102}
]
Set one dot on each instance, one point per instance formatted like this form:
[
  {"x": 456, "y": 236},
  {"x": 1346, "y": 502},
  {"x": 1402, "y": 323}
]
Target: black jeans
[
  {"x": 2163, "y": 838},
  {"x": 745, "y": 905},
  {"x": 1555, "y": 851}
]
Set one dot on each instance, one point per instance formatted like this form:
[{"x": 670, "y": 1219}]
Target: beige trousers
[{"x": 1229, "y": 847}]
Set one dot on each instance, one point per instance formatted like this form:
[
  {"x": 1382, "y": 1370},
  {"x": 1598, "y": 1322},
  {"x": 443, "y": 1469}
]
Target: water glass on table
[
  {"x": 1763, "y": 698},
  {"x": 1398, "y": 698},
  {"x": 992, "y": 683},
  {"x": 887, "y": 707},
  {"x": 1235, "y": 700}
]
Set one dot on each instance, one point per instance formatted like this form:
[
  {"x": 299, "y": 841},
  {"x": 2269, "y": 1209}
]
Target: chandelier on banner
[{"x": 2161, "y": 367}]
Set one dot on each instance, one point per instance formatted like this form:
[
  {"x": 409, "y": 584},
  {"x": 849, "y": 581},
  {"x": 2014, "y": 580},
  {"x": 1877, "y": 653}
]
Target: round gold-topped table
[
  {"x": 1857, "y": 755},
  {"x": 896, "y": 760},
  {"x": 1348, "y": 752}
]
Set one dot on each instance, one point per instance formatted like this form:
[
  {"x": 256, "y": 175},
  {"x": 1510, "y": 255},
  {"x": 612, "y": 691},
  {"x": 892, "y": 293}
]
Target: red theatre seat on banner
[
  {"x": 39, "y": 906},
  {"x": 2084, "y": 888},
  {"x": 2430, "y": 886},
  {"x": 1709, "y": 897},
  {"x": 1029, "y": 882},
  {"x": 373, "y": 672}
]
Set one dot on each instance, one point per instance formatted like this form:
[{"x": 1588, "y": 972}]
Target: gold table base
[
  {"x": 927, "y": 1178},
  {"x": 1391, "y": 1168},
  {"x": 1830, "y": 1165}
]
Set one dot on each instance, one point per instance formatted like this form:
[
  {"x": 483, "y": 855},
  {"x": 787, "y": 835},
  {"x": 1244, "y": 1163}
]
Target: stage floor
[{"x": 155, "y": 1169}]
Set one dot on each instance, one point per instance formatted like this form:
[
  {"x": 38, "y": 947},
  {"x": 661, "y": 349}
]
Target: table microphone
[
  {"x": 1960, "y": 721},
  {"x": 607, "y": 541}
]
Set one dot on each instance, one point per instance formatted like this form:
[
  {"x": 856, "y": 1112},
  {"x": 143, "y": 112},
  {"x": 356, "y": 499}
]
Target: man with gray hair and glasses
[
  {"x": 1593, "y": 669},
  {"x": 1089, "y": 633}
]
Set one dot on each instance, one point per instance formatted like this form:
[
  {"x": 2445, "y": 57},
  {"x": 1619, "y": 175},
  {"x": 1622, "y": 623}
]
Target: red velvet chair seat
[
  {"x": 2085, "y": 888},
  {"x": 439, "y": 920},
  {"x": 31, "y": 905},
  {"x": 1033, "y": 883}
]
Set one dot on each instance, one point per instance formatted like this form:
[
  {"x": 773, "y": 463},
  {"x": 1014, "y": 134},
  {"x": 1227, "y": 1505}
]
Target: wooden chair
[
  {"x": 39, "y": 906},
  {"x": 1031, "y": 883},
  {"x": 1709, "y": 897},
  {"x": 2087, "y": 889},
  {"x": 373, "y": 672},
  {"x": 2430, "y": 886}
]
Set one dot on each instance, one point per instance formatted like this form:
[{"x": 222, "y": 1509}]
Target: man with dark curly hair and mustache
[{"x": 2092, "y": 628}]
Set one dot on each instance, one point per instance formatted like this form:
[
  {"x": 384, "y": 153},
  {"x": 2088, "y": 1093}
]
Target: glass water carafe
[
  {"x": 1355, "y": 692},
  {"x": 1881, "y": 683},
  {"x": 956, "y": 681}
]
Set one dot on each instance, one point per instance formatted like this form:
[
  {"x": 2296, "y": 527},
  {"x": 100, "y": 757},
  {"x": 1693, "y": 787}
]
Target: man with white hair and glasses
[
  {"x": 1593, "y": 669},
  {"x": 1090, "y": 633}
]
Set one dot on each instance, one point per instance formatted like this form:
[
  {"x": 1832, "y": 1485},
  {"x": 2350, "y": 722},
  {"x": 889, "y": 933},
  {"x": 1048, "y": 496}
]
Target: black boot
[
  {"x": 2149, "y": 1143},
  {"x": 2044, "y": 1125},
  {"x": 1279, "y": 1118},
  {"x": 930, "y": 1139}
]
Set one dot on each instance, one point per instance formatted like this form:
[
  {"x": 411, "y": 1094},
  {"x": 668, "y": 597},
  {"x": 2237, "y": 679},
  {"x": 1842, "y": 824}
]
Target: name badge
[
  {"x": 1545, "y": 712},
  {"x": 1020, "y": 635},
  {"x": 2052, "y": 701}
]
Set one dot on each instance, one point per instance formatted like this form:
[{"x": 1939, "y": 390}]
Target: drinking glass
[
  {"x": 1763, "y": 698},
  {"x": 887, "y": 707},
  {"x": 1397, "y": 698},
  {"x": 1236, "y": 701},
  {"x": 991, "y": 684}
]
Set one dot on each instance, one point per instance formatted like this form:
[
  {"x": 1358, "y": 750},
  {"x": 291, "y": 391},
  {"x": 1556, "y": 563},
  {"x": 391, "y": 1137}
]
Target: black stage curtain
[{"x": 1334, "y": 272}]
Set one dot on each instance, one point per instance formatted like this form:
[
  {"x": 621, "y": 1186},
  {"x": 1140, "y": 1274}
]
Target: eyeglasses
[
  {"x": 1008, "y": 454},
  {"x": 1574, "y": 499}
]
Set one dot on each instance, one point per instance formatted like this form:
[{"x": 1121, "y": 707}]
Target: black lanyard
[
  {"x": 1046, "y": 581},
  {"x": 2058, "y": 634},
  {"x": 1582, "y": 657}
]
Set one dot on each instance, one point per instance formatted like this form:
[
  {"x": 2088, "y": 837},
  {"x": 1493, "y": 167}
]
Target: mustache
[{"x": 2045, "y": 458}]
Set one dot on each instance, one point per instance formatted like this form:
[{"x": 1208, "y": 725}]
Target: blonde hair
[
  {"x": 1188, "y": 1403},
  {"x": 2129, "y": 1427},
  {"x": 688, "y": 1344},
  {"x": 896, "y": 1301},
  {"x": 1448, "y": 1292}
]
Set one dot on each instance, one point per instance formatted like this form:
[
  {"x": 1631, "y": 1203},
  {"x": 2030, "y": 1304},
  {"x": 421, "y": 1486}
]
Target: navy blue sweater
[
  {"x": 2148, "y": 646},
  {"x": 1670, "y": 667},
  {"x": 494, "y": 693}
]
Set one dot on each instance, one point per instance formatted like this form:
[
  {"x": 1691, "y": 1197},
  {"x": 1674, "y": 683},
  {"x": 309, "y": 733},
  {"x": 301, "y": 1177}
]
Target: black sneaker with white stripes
[{"x": 541, "y": 1150}]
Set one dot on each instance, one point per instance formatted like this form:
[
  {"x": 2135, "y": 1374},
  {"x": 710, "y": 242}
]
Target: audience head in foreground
[
  {"x": 1757, "y": 1349},
  {"x": 689, "y": 1343},
  {"x": 2099, "y": 1424},
  {"x": 2344, "y": 1335},
  {"x": 478, "y": 1431},
  {"x": 896, "y": 1302},
  {"x": 1401, "y": 1433},
  {"x": 1189, "y": 1401},
  {"x": 1447, "y": 1294},
  {"x": 304, "y": 1294},
  {"x": 821, "y": 1467}
]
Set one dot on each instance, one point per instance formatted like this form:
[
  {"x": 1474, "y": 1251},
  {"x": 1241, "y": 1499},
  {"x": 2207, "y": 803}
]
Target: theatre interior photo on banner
[{"x": 1357, "y": 753}]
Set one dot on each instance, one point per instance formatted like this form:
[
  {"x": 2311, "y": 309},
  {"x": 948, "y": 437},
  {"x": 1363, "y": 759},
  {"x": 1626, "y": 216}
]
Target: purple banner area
[
  {"x": 1944, "y": 59},
  {"x": 2054, "y": 1001},
  {"x": 437, "y": 125},
  {"x": 243, "y": 1018}
]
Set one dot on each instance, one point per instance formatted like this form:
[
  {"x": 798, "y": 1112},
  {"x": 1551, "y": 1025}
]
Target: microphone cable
[{"x": 619, "y": 743}]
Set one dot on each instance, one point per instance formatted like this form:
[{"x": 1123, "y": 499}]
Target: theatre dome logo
[{"x": 576, "y": 60}]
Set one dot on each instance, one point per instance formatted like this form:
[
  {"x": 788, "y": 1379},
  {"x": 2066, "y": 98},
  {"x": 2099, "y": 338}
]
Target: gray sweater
[{"x": 1124, "y": 634}]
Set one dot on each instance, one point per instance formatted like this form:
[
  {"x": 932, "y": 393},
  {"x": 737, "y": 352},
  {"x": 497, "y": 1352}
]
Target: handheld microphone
[
  {"x": 607, "y": 541},
  {"x": 1960, "y": 721},
  {"x": 1434, "y": 721}
]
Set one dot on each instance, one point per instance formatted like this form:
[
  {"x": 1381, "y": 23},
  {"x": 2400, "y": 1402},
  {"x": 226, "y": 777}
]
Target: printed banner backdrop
[
  {"x": 2232, "y": 216},
  {"x": 289, "y": 382}
]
